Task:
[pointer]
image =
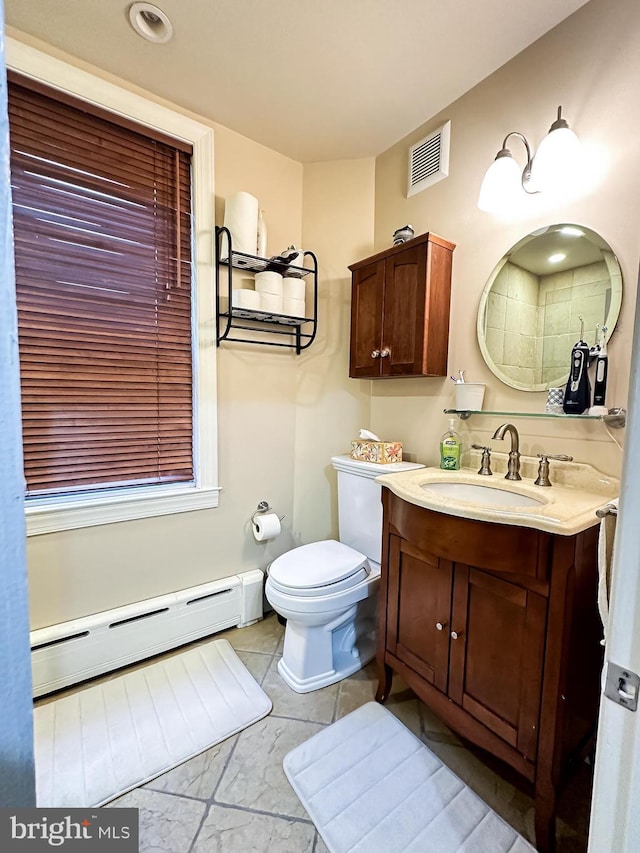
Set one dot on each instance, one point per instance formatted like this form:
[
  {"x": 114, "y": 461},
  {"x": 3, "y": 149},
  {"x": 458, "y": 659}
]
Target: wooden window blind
[{"x": 102, "y": 235}]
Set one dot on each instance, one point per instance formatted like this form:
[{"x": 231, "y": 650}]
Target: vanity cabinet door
[
  {"x": 497, "y": 655},
  {"x": 419, "y": 610},
  {"x": 516, "y": 669}
]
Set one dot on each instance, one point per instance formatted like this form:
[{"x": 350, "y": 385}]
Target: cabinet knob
[
  {"x": 375, "y": 353},
  {"x": 455, "y": 635},
  {"x": 440, "y": 626},
  {"x": 385, "y": 353}
]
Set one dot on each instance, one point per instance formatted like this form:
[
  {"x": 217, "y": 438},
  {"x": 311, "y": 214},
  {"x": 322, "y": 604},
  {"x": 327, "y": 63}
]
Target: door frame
[{"x": 615, "y": 817}]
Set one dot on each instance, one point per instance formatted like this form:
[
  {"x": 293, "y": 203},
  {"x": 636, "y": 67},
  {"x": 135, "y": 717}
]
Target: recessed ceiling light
[
  {"x": 555, "y": 259},
  {"x": 570, "y": 231},
  {"x": 150, "y": 22}
]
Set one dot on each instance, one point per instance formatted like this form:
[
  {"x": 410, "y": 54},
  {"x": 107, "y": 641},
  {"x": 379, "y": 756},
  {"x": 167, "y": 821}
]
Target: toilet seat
[{"x": 319, "y": 569}]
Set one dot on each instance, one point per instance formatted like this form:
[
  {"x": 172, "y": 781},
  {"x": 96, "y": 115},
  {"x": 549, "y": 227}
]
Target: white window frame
[{"x": 50, "y": 514}]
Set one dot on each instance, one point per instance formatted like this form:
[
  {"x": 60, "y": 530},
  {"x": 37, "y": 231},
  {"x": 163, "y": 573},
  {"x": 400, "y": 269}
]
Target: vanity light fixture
[
  {"x": 554, "y": 160},
  {"x": 150, "y": 22}
]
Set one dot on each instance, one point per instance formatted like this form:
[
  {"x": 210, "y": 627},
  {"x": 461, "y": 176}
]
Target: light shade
[
  {"x": 502, "y": 184},
  {"x": 557, "y": 163},
  {"x": 556, "y": 168}
]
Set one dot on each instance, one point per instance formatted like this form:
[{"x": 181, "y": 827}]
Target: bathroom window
[{"x": 116, "y": 420}]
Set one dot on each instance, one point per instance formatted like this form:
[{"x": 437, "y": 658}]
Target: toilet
[{"x": 327, "y": 591}]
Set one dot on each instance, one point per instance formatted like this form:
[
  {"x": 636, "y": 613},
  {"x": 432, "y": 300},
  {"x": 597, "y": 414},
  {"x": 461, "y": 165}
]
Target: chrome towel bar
[{"x": 608, "y": 509}]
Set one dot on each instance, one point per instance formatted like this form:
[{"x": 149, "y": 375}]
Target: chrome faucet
[{"x": 513, "y": 465}]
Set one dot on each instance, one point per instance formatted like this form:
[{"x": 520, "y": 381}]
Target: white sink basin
[{"x": 482, "y": 495}]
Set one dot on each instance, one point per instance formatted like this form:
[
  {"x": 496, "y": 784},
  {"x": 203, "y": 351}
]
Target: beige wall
[
  {"x": 338, "y": 225},
  {"x": 280, "y": 416},
  {"x": 589, "y": 65},
  {"x": 77, "y": 572}
]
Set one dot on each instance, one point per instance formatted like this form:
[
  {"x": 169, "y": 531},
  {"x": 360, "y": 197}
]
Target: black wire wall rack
[{"x": 296, "y": 333}]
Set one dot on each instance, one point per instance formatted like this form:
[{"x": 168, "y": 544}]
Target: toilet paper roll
[
  {"x": 293, "y": 288},
  {"x": 271, "y": 303},
  {"x": 245, "y": 299},
  {"x": 293, "y": 307},
  {"x": 269, "y": 282},
  {"x": 266, "y": 527},
  {"x": 241, "y": 218}
]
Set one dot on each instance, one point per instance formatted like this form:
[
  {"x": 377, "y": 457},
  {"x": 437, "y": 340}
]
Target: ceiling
[
  {"x": 579, "y": 245},
  {"x": 314, "y": 80}
]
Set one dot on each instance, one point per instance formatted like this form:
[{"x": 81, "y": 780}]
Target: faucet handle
[
  {"x": 485, "y": 465},
  {"x": 543, "y": 468},
  {"x": 561, "y": 457}
]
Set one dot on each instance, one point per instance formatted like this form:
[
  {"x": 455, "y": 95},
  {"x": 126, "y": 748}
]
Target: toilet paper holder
[{"x": 262, "y": 507}]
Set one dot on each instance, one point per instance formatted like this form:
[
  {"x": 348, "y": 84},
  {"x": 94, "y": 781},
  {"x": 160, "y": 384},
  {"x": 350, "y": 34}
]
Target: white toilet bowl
[{"x": 327, "y": 592}]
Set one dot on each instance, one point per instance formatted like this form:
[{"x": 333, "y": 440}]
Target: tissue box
[{"x": 382, "y": 452}]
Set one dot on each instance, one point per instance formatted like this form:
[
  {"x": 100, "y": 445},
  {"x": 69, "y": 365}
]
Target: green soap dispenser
[{"x": 450, "y": 448}]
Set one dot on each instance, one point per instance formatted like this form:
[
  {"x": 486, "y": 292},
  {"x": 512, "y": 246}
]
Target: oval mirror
[{"x": 530, "y": 310}]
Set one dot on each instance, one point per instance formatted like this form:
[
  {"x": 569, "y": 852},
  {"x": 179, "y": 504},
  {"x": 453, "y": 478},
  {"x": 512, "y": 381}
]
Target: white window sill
[{"x": 53, "y": 514}]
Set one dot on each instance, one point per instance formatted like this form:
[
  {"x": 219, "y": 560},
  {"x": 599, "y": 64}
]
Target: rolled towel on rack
[{"x": 606, "y": 539}]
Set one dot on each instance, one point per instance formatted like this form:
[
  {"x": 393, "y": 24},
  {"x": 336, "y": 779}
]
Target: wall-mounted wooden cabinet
[
  {"x": 495, "y": 628},
  {"x": 400, "y": 310}
]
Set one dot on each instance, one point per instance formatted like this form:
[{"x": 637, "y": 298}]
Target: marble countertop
[{"x": 569, "y": 505}]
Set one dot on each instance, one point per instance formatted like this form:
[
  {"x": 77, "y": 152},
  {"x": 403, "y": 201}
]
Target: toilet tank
[{"x": 360, "y": 504}]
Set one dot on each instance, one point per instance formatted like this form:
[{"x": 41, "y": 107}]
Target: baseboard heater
[{"x": 74, "y": 651}]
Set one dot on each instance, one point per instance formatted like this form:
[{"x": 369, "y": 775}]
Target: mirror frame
[{"x": 612, "y": 316}]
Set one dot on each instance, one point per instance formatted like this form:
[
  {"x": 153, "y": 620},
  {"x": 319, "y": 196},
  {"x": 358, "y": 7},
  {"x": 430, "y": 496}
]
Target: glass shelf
[{"x": 616, "y": 417}]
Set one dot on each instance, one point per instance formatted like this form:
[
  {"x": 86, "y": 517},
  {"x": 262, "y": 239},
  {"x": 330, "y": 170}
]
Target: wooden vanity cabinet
[
  {"x": 496, "y": 629},
  {"x": 400, "y": 310}
]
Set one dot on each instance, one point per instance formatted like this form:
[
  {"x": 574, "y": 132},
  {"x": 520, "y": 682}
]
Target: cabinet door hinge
[{"x": 622, "y": 686}]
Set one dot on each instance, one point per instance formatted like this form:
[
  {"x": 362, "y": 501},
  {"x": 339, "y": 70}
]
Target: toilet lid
[{"x": 319, "y": 565}]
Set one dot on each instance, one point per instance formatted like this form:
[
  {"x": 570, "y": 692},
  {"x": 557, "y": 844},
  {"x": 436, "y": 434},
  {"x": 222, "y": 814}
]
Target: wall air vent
[{"x": 429, "y": 160}]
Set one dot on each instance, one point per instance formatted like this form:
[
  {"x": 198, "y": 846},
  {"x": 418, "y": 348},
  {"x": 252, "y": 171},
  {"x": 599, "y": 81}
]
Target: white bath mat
[
  {"x": 370, "y": 786},
  {"x": 95, "y": 744}
]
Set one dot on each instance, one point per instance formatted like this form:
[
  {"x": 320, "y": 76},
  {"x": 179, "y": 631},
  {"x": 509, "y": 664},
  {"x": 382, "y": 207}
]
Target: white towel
[{"x": 606, "y": 539}]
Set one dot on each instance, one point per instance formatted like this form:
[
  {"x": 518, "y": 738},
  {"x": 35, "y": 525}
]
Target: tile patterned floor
[{"x": 235, "y": 798}]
